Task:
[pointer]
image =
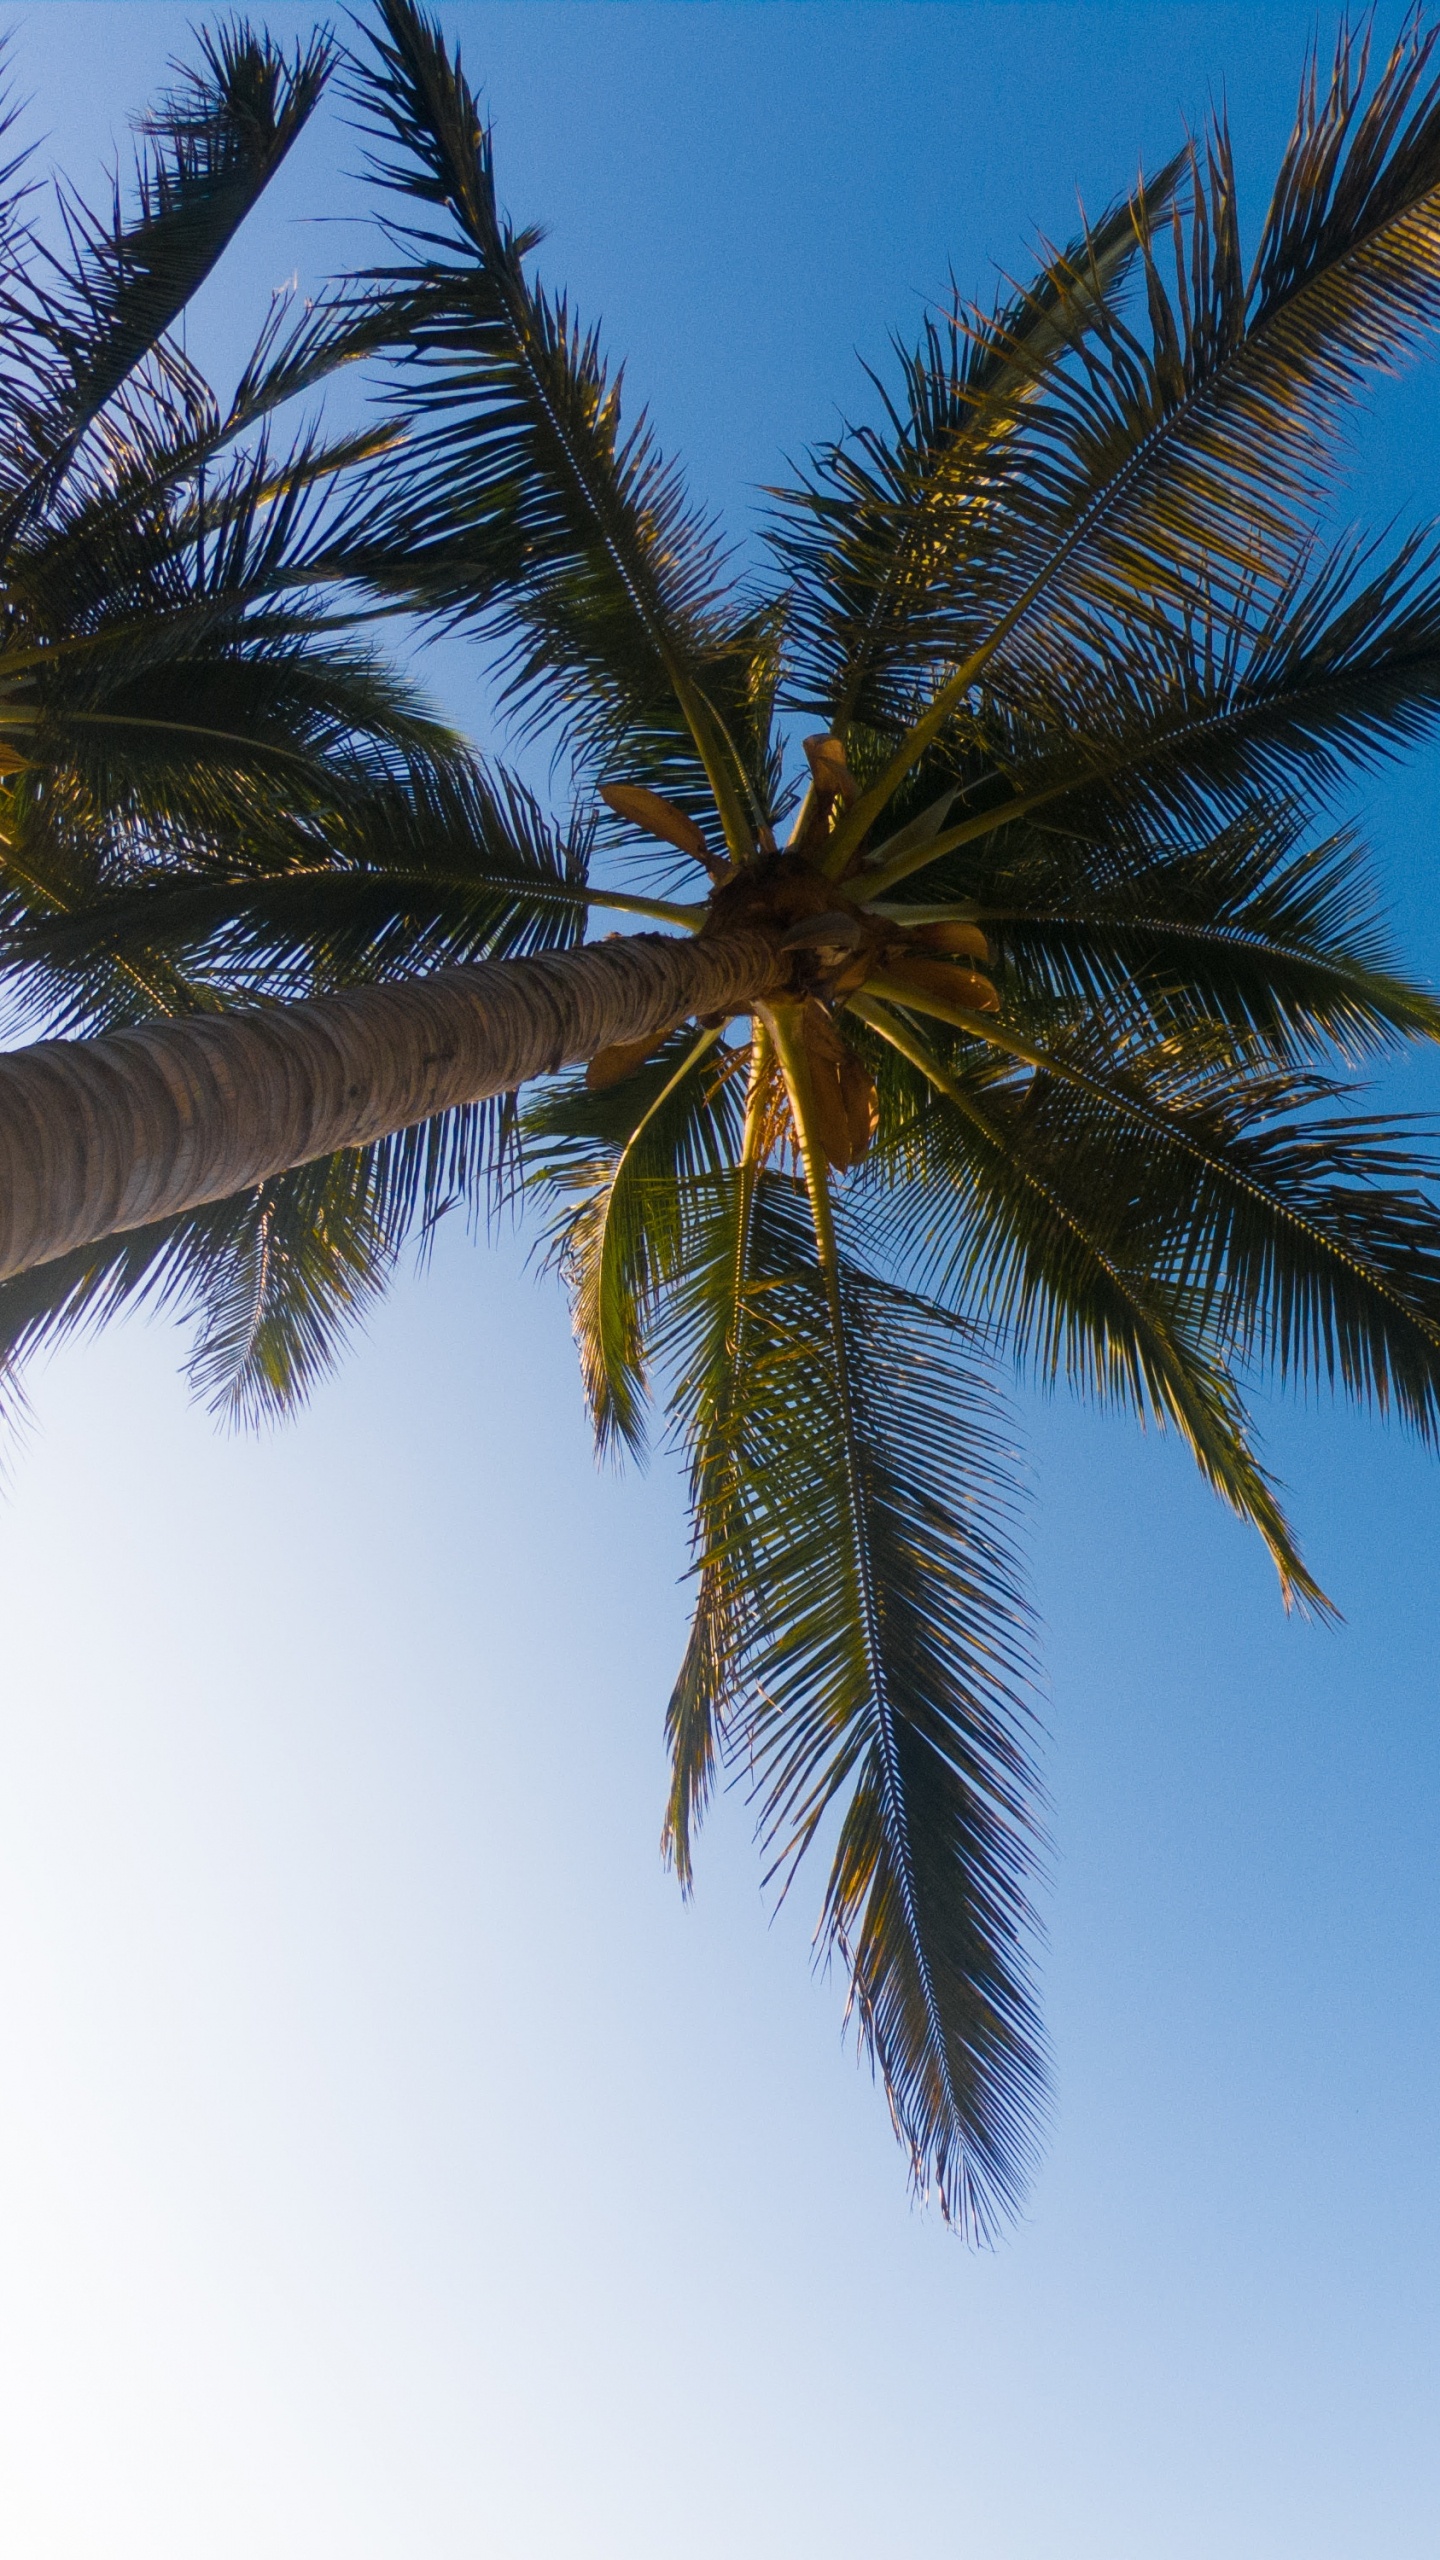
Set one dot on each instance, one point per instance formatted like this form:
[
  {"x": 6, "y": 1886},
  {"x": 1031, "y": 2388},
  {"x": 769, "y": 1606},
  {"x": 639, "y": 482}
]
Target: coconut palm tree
[
  {"x": 173, "y": 683},
  {"x": 1022, "y": 1028}
]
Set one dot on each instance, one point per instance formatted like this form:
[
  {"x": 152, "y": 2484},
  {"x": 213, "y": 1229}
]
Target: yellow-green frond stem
[
  {"x": 715, "y": 753},
  {"x": 857, "y": 821},
  {"x": 985, "y": 822},
  {"x": 606, "y": 1314}
]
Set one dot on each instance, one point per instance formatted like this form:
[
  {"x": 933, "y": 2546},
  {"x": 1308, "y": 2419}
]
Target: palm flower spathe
[{"x": 1021, "y": 1023}]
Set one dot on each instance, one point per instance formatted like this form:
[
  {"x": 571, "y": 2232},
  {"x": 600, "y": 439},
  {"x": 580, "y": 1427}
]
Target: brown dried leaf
[
  {"x": 947, "y": 980},
  {"x": 826, "y": 759},
  {"x": 955, "y": 941},
  {"x": 658, "y": 817}
]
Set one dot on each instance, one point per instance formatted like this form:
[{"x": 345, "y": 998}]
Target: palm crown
[{"x": 1072, "y": 972}]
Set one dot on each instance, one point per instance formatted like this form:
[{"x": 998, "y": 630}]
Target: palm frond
[
  {"x": 57, "y": 975},
  {"x": 296, "y": 1268},
  {"x": 877, "y": 1654},
  {"x": 619, "y": 1167},
  {"x": 709, "y": 1325},
  {"x": 1054, "y": 1250},
  {"x": 1302, "y": 1239},
  {"x": 442, "y": 863},
  {"x": 1199, "y": 442},
  {"x": 1253, "y": 927},
  {"x": 1275, "y": 696},
  {"x": 520, "y": 505},
  {"x": 210, "y": 148},
  {"x": 269, "y": 1283},
  {"x": 882, "y": 509}
]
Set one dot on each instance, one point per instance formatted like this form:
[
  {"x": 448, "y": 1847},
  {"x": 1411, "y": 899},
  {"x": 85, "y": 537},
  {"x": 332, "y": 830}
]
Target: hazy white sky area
[{"x": 391, "y": 2166}]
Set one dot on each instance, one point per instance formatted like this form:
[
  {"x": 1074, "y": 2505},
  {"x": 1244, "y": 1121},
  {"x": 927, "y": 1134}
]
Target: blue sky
[{"x": 389, "y": 2162}]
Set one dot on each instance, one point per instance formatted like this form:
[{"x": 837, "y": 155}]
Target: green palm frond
[
  {"x": 151, "y": 556},
  {"x": 1297, "y": 1238},
  {"x": 301, "y": 343},
  {"x": 170, "y": 689},
  {"x": 1058, "y": 1253},
  {"x": 882, "y": 510},
  {"x": 1255, "y": 928},
  {"x": 708, "y": 1325},
  {"x": 267, "y": 1283},
  {"x": 697, "y": 1715},
  {"x": 296, "y": 1267},
  {"x": 876, "y": 1653},
  {"x": 446, "y": 863},
  {"x": 230, "y": 733},
  {"x": 1196, "y": 441},
  {"x": 62, "y": 976},
  {"x": 166, "y": 431},
  {"x": 520, "y": 505},
  {"x": 1282, "y": 691},
  {"x": 210, "y": 148},
  {"x": 621, "y": 1167}
]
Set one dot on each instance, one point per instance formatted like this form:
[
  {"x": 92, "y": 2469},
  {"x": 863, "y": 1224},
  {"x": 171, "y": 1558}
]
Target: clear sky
[{"x": 389, "y": 2163}]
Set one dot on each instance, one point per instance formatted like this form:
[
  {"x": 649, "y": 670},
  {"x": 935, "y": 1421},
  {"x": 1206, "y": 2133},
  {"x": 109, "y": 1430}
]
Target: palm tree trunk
[{"x": 100, "y": 1135}]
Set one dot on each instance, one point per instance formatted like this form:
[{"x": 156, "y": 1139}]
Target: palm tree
[
  {"x": 173, "y": 684},
  {"x": 1023, "y": 1030}
]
